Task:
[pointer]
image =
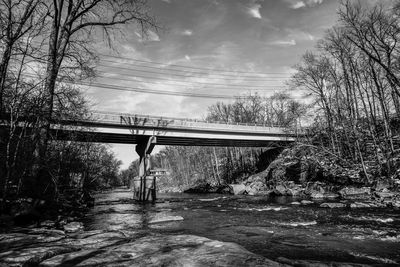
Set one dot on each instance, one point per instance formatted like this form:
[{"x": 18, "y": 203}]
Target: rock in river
[
  {"x": 332, "y": 205},
  {"x": 238, "y": 189},
  {"x": 164, "y": 250},
  {"x": 73, "y": 227},
  {"x": 355, "y": 192},
  {"x": 166, "y": 218}
]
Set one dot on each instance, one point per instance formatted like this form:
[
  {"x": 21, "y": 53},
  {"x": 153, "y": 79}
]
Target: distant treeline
[{"x": 221, "y": 165}]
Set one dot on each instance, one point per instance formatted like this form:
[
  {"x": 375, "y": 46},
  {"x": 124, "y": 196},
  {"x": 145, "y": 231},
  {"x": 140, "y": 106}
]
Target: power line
[
  {"x": 162, "y": 92},
  {"x": 201, "y": 83},
  {"x": 226, "y": 87},
  {"x": 158, "y": 92},
  {"x": 224, "y": 76},
  {"x": 152, "y": 91},
  {"x": 190, "y": 67}
]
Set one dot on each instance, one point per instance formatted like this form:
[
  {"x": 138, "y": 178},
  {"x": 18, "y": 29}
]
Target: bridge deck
[{"x": 131, "y": 129}]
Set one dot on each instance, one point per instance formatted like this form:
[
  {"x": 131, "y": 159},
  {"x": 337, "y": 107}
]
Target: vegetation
[
  {"x": 354, "y": 79},
  {"x": 46, "y": 47}
]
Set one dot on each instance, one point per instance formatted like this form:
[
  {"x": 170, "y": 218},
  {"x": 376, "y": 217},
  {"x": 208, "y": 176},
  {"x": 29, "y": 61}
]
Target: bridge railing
[{"x": 171, "y": 122}]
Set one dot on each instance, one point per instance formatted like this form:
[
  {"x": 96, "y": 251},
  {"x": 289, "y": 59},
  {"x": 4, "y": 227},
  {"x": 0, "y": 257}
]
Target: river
[{"x": 272, "y": 227}]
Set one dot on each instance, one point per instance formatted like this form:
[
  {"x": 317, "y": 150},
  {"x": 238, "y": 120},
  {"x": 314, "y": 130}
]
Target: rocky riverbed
[
  {"x": 211, "y": 230},
  {"x": 45, "y": 247}
]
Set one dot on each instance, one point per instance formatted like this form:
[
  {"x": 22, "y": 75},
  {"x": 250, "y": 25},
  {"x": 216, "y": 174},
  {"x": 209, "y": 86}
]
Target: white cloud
[
  {"x": 149, "y": 36},
  {"x": 296, "y": 4},
  {"x": 187, "y": 32},
  {"x": 300, "y": 35},
  {"x": 152, "y": 36},
  {"x": 284, "y": 42},
  {"x": 254, "y": 11}
]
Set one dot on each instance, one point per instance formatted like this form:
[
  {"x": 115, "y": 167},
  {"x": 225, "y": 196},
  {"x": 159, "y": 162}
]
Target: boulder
[
  {"x": 331, "y": 195},
  {"x": 164, "y": 250},
  {"x": 306, "y": 202},
  {"x": 160, "y": 218},
  {"x": 385, "y": 194},
  {"x": 294, "y": 190},
  {"x": 355, "y": 192},
  {"x": 238, "y": 189},
  {"x": 316, "y": 195},
  {"x": 332, "y": 205},
  {"x": 251, "y": 191},
  {"x": 73, "y": 227},
  {"x": 357, "y": 205},
  {"x": 280, "y": 190}
]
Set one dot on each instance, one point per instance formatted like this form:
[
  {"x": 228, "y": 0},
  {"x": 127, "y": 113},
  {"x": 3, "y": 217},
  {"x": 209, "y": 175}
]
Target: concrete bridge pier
[{"x": 145, "y": 187}]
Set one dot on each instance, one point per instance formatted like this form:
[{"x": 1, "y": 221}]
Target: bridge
[
  {"x": 133, "y": 129},
  {"x": 148, "y": 131}
]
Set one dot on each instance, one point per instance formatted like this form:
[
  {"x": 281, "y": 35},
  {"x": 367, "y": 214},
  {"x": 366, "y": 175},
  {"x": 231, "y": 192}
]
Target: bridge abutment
[{"x": 144, "y": 188}]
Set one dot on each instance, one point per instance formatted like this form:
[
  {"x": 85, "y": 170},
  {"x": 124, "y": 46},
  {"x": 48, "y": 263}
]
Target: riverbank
[{"x": 308, "y": 173}]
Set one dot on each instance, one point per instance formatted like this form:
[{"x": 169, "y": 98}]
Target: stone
[
  {"x": 165, "y": 250},
  {"x": 332, "y": 205},
  {"x": 357, "y": 205},
  {"x": 251, "y": 191},
  {"x": 295, "y": 203},
  {"x": 316, "y": 195},
  {"x": 385, "y": 194},
  {"x": 280, "y": 190},
  {"x": 306, "y": 202},
  {"x": 166, "y": 218},
  {"x": 331, "y": 195},
  {"x": 396, "y": 204},
  {"x": 73, "y": 227},
  {"x": 355, "y": 192},
  {"x": 48, "y": 223},
  {"x": 296, "y": 191},
  {"x": 238, "y": 189}
]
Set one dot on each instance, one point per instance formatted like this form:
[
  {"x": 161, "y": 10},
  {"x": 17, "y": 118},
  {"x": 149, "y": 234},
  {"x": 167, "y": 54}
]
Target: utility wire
[
  {"x": 190, "y": 67},
  {"x": 201, "y": 83},
  {"x": 191, "y": 72},
  {"x": 158, "y": 92},
  {"x": 193, "y": 84}
]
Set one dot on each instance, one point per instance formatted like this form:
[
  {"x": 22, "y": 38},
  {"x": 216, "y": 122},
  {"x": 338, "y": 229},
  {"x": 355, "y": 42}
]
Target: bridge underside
[{"x": 128, "y": 138}]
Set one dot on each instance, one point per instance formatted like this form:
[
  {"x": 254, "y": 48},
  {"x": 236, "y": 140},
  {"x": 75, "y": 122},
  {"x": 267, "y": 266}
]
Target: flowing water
[{"x": 270, "y": 227}]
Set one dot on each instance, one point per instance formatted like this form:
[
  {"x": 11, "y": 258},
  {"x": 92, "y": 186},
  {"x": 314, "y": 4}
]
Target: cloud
[
  {"x": 295, "y": 4},
  {"x": 152, "y": 36},
  {"x": 300, "y": 35},
  {"x": 284, "y": 42},
  {"x": 254, "y": 11},
  {"x": 298, "y": 5},
  {"x": 187, "y": 32}
]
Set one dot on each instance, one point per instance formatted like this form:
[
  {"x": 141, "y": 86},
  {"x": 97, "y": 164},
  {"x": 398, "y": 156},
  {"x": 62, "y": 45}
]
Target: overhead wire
[
  {"x": 191, "y": 67},
  {"x": 191, "y": 72},
  {"x": 193, "y": 84},
  {"x": 159, "y": 92}
]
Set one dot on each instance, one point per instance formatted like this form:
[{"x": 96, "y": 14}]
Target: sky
[{"x": 220, "y": 48}]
